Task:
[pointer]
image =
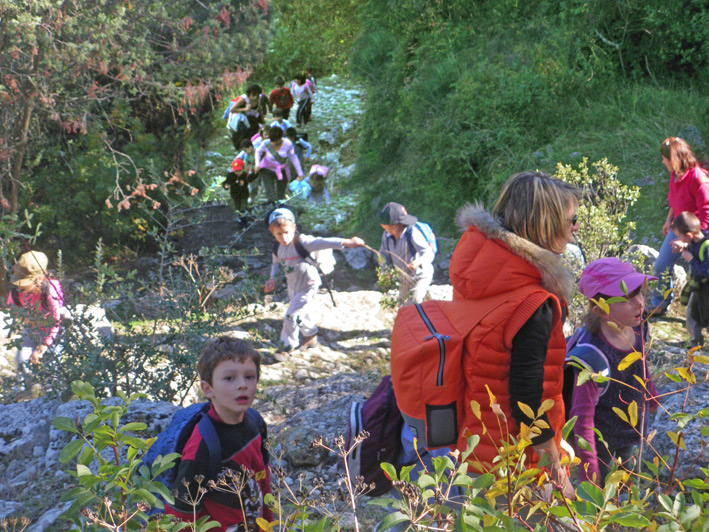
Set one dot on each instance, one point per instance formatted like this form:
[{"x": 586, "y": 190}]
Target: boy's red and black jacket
[{"x": 242, "y": 449}]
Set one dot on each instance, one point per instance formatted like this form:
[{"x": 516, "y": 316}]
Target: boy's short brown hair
[
  {"x": 281, "y": 222},
  {"x": 225, "y": 347},
  {"x": 687, "y": 222}
]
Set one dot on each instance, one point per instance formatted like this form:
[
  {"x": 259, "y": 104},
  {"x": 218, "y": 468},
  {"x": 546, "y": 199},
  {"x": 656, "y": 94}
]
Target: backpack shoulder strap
[
  {"x": 300, "y": 248},
  {"x": 593, "y": 359},
  {"x": 211, "y": 438},
  {"x": 702, "y": 249},
  {"x": 261, "y": 425},
  {"x": 274, "y": 153}
]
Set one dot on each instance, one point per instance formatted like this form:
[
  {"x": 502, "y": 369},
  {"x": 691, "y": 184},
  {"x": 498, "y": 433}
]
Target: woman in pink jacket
[{"x": 688, "y": 191}]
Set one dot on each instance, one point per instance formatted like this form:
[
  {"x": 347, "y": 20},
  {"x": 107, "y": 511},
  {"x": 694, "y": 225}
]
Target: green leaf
[
  {"x": 483, "y": 481},
  {"x": 144, "y": 495},
  {"x": 389, "y": 471},
  {"x": 64, "y": 423},
  {"x": 71, "y": 450},
  {"x": 135, "y": 426},
  {"x": 82, "y": 470},
  {"x": 138, "y": 443},
  {"x": 392, "y": 520},
  {"x": 590, "y": 493},
  {"x": 165, "y": 493},
  {"x": 632, "y": 520},
  {"x": 203, "y": 524},
  {"x": 425, "y": 481},
  {"x": 568, "y": 427}
]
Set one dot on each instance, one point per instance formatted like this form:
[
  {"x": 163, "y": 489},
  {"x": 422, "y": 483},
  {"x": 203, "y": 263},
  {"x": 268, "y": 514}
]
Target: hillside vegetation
[{"x": 463, "y": 94}]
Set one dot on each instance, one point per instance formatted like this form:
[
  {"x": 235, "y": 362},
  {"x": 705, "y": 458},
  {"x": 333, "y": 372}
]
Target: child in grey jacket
[
  {"x": 405, "y": 248},
  {"x": 302, "y": 277}
]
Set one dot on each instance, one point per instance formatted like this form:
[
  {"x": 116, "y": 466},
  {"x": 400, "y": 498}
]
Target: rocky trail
[{"x": 304, "y": 398}]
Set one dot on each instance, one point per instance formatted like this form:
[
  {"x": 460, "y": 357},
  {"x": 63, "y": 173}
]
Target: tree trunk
[{"x": 18, "y": 155}]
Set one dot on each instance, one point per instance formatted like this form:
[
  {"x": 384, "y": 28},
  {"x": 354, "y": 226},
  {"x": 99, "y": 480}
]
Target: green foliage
[
  {"x": 604, "y": 230},
  {"x": 652, "y": 39},
  {"x": 311, "y": 34},
  {"x": 461, "y": 96},
  {"x": 114, "y": 489},
  {"x": 87, "y": 115}
]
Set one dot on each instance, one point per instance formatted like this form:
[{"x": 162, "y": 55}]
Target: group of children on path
[{"x": 273, "y": 154}]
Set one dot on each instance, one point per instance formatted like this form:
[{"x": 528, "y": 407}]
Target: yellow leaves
[
  {"x": 687, "y": 375},
  {"x": 620, "y": 414},
  {"x": 546, "y": 405},
  {"x": 475, "y": 407},
  {"x": 677, "y": 439},
  {"x": 631, "y": 417},
  {"x": 633, "y": 413},
  {"x": 265, "y": 525},
  {"x": 602, "y": 304},
  {"x": 628, "y": 360},
  {"x": 493, "y": 399},
  {"x": 494, "y": 405},
  {"x": 699, "y": 358},
  {"x": 693, "y": 350},
  {"x": 526, "y": 410}
]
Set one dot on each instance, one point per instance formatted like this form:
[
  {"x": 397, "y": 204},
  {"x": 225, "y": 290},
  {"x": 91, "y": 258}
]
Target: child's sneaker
[{"x": 308, "y": 341}]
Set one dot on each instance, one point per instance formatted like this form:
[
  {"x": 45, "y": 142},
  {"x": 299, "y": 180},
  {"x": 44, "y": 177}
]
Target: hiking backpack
[
  {"x": 380, "y": 416},
  {"x": 174, "y": 438},
  {"x": 580, "y": 350},
  {"x": 427, "y": 233},
  {"x": 428, "y": 342}
]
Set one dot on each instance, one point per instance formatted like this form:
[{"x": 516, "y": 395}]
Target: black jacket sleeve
[{"x": 529, "y": 352}]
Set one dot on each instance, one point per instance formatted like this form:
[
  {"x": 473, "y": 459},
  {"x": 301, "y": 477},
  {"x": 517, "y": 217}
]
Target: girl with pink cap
[{"x": 613, "y": 329}]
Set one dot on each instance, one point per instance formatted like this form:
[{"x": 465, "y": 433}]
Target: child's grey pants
[
  {"x": 693, "y": 328},
  {"x": 299, "y": 318}
]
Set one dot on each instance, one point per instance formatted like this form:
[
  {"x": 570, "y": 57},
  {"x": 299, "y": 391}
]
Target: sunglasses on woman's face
[{"x": 574, "y": 220}]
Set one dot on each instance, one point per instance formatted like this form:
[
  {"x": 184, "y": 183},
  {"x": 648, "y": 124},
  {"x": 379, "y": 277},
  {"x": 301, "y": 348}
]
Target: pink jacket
[
  {"x": 50, "y": 302},
  {"x": 264, "y": 159},
  {"x": 691, "y": 193}
]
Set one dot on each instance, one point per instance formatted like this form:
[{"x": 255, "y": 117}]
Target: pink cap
[{"x": 603, "y": 276}]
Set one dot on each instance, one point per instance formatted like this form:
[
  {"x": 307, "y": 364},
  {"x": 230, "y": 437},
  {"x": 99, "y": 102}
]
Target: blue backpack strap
[
  {"x": 211, "y": 438},
  {"x": 592, "y": 358}
]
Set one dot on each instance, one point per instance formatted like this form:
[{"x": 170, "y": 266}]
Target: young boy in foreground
[
  {"x": 693, "y": 242},
  {"x": 302, "y": 277},
  {"x": 229, "y": 371}
]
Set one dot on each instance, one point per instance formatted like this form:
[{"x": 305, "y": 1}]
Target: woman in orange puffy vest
[{"x": 518, "y": 349}]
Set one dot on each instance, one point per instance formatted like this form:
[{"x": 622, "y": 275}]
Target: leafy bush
[{"x": 604, "y": 229}]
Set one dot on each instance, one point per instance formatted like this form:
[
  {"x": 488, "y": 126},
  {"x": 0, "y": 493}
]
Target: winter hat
[
  {"x": 237, "y": 165},
  {"x": 281, "y": 213},
  {"x": 30, "y": 271},
  {"x": 395, "y": 213},
  {"x": 604, "y": 276}
]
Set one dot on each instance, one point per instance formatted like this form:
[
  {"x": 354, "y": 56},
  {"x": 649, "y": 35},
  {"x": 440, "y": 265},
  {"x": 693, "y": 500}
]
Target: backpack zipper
[{"x": 442, "y": 338}]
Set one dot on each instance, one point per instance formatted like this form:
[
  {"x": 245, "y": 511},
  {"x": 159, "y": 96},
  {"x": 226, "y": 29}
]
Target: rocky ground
[{"x": 308, "y": 396}]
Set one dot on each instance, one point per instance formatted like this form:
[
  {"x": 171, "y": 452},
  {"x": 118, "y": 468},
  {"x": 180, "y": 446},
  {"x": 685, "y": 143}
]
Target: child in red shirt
[{"x": 281, "y": 97}]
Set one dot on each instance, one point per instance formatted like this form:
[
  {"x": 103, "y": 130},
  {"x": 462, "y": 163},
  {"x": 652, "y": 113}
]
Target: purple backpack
[{"x": 380, "y": 416}]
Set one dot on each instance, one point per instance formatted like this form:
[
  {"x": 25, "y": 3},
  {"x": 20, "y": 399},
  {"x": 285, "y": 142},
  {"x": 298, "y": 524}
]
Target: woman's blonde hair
[
  {"x": 535, "y": 206},
  {"x": 680, "y": 155}
]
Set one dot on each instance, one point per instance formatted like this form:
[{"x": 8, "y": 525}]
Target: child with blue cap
[{"x": 302, "y": 277}]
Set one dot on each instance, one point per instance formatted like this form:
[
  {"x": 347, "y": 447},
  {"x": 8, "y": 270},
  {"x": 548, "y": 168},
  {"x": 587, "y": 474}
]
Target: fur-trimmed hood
[{"x": 480, "y": 266}]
